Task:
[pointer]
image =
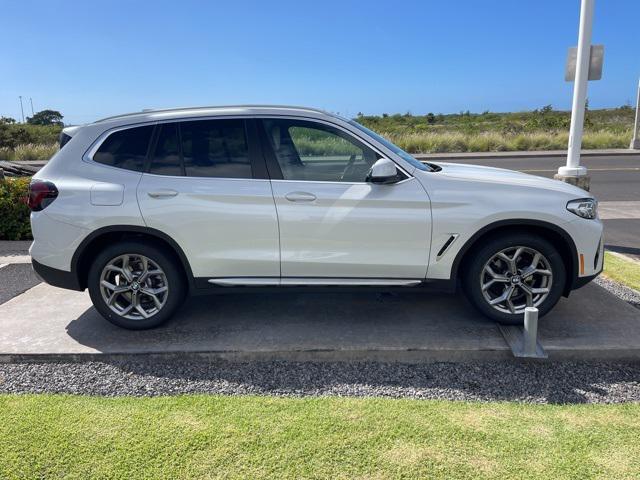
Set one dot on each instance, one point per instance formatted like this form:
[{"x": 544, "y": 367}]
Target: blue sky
[{"x": 90, "y": 59}]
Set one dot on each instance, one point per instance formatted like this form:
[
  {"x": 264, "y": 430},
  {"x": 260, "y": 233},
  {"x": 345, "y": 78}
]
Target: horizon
[{"x": 418, "y": 57}]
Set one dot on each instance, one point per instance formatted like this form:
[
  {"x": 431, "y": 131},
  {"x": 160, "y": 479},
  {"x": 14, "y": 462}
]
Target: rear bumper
[{"x": 56, "y": 277}]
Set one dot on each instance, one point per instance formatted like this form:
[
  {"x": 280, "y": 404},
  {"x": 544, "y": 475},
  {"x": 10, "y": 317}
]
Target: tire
[
  {"x": 528, "y": 289},
  {"x": 159, "y": 295}
]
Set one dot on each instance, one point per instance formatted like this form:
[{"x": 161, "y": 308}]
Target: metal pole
[
  {"x": 583, "y": 59},
  {"x": 21, "y": 108},
  {"x": 31, "y": 101},
  {"x": 530, "y": 331},
  {"x": 635, "y": 143}
]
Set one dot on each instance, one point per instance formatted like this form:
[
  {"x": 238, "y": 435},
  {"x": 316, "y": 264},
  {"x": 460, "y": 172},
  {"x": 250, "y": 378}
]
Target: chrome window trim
[{"x": 360, "y": 136}]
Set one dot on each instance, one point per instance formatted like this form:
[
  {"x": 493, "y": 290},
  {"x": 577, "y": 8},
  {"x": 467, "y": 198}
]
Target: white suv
[{"x": 143, "y": 209}]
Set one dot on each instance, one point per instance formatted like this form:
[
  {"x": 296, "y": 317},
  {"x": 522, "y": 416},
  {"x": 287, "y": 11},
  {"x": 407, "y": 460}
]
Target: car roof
[{"x": 169, "y": 113}]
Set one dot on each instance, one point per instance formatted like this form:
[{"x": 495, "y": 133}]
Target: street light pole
[
  {"x": 21, "y": 107},
  {"x": 573, "y": 172},
  {"x": 635, "y": 143},
  {"x": 31, "y": 101}
]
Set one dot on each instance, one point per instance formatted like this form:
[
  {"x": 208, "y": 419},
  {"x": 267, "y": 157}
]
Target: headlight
[{"x": 584, "y": 207}]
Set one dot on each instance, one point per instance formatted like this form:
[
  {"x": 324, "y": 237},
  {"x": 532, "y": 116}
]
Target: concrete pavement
[{"x": 46, "y": 322}]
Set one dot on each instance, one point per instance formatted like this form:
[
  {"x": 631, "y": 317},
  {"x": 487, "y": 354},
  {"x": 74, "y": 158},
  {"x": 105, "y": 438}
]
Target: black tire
[
  {"x": 175, "y": 279},
  {"x": 483, "y": 252}
]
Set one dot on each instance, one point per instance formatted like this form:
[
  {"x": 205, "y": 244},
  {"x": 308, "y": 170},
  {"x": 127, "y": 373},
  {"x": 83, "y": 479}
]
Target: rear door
[
  {"x": 333, "y": 224},
  {"x": 205, "y": 186}
]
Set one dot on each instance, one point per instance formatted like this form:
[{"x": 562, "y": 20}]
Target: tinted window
[
  {"x": 166, "y": 157},
  {"x": 315, "y": 152},
  {"x": 125, "y": 149},
  {"x": 215, "y": 148}
]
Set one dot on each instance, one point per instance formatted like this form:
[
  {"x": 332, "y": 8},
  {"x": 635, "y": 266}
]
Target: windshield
[{"x": 394, "y": 148}]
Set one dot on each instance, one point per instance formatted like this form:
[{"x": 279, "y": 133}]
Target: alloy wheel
[
  {"x": 134, "y": 286},
  {"x": 515, "y": 278}
]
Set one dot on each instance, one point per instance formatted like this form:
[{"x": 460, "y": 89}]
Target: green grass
[
  {"x": 622, "y": 270},
  {"x": 49, "y": 436}
]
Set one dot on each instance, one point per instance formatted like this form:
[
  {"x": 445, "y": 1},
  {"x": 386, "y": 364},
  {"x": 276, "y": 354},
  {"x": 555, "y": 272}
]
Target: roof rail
[{"x": 216, "y": 107}]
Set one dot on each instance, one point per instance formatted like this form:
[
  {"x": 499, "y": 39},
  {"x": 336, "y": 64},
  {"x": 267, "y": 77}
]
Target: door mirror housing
[{"x": 384, "y": 171}]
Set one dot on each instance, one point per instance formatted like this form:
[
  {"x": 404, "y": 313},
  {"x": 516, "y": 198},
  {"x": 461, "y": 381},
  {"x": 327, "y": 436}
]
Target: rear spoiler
[{"x": 66, "y": 134}]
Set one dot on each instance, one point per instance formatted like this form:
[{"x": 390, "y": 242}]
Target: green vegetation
[
  {"x": 14, "y": 213},
  {"x": 543, "y": 129},
  {"x": 622, "y": 270},
  {"x": 28, "y": 142},
  {"x": 51, "y": 436}
]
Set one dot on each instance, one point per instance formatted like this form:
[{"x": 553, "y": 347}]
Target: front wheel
[
  {"x": 136, "y": 286},
  {"x": 511, "y": 272}
]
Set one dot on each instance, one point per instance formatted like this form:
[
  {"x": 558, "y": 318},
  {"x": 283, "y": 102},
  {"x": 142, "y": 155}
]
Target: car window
[
  {"x": 215, "y": 148},
  {"x": 166, "y": 157},
  {"x": 125, "y": 148},
  {"x": 315, "y": 152}
]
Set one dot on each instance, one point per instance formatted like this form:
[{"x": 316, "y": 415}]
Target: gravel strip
[
  {"x": 533, "y": 382},
  {"x": 627, "y": 294}
]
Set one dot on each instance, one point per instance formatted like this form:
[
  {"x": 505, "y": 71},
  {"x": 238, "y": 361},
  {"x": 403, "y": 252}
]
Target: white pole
[
  {"x": 583, "y": 59},
  {"x": 635, "y": 143},
  {"x": 530, "y": 331}
]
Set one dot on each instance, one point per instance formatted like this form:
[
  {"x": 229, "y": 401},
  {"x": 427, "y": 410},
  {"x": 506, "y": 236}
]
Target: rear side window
[
  {"x": 125, "y": 148},
  {"x": 215, "y": 148},
  {"x": 166, "y": 157},
  {"x": 202, "y": 148}
]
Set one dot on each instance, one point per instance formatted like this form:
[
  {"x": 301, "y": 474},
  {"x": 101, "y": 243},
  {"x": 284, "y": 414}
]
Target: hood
[{"x": 494, "y": 175}]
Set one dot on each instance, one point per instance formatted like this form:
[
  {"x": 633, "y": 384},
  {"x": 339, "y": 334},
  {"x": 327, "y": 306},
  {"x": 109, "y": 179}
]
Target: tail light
[{"x": 41, "y": 194}]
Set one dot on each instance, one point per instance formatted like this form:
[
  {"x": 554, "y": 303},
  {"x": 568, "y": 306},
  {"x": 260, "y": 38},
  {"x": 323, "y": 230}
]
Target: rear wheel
[
  {"x": 136, "y": 286},
  {"x": 511, "y": 272}
]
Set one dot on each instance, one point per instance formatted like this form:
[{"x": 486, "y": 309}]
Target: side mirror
[{"x": 384, "y": 171}]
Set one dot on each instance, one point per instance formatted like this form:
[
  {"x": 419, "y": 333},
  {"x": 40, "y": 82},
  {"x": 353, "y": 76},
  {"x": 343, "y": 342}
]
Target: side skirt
[{"x": 208, "y": 286}]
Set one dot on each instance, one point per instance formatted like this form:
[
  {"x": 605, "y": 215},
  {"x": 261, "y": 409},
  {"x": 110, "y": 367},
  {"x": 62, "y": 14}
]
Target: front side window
[
  {"x": 311, "y": 151},
  {"x": 125, "y": 148}
]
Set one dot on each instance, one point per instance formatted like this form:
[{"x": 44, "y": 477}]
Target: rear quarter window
[{"x": 125, "y": 149}]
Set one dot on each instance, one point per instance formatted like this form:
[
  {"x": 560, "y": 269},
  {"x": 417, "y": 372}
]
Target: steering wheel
[{"x": 349, "y": 167}]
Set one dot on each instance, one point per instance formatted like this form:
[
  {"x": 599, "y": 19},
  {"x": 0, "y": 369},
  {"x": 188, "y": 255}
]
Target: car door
[
  {"x": 206, "y": 188},
  {"x": 333, "y": 223}
]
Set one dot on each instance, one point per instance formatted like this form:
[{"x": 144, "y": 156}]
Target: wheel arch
[
  {"x": 80, "y": 262},
  {"x": 558, "y": 237}
]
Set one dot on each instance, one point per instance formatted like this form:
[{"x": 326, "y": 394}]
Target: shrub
[{"x": 14, "y": 213}]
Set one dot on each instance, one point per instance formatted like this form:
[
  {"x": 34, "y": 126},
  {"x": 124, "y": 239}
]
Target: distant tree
[
  {"x": 360, "y": 114},
  {"x": 7, "y": 120},
  {"x": 46, "y": 117},
  {"x": 547, "y": 109},
  {"x": 385, "y": 115},
  {"x": 431, "y": 118}
]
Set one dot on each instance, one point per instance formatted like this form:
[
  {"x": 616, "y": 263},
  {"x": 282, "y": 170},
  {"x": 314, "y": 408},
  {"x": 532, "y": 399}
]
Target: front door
[
  {"x": 333, "y": 224},
  {"x": 201, "y": 189}
]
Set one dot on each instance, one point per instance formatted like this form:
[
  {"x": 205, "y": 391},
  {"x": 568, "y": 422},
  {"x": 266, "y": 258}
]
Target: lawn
[
  {"x": 622, "y": 270},
  {"x": 50, "y": 436}
]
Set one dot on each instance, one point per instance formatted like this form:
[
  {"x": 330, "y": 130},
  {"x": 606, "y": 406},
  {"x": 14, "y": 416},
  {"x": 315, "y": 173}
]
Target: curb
[{"x": 624, "y": 354}]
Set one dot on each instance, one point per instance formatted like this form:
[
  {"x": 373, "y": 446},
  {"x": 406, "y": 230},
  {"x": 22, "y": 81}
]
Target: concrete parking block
[{"x": 54, "y": 323}]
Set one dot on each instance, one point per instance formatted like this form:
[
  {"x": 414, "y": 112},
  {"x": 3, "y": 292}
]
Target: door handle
[
  {"x": 300, "y": 197},
  {"x": 163, "y": 193}
]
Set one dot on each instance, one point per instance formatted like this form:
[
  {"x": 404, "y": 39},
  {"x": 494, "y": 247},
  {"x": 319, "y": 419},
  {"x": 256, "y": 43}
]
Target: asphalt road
[{"x": 613, "y": 179}]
